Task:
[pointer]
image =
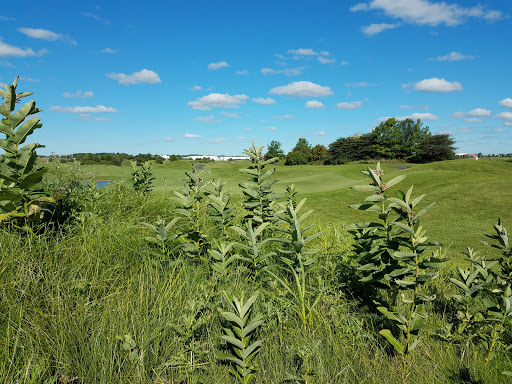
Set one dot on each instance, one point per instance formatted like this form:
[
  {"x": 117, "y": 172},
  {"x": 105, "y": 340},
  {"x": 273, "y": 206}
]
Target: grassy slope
[{"x": 469, "y": 195}]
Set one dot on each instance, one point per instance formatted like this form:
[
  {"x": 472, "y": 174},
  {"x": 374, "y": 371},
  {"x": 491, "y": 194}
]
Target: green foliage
[
  {"x": 161, "y": 237},
  {"x": 221, "y": 259},
  {"x": 18, "y": 179},
  {"x": 319, "y": 153},
  {"x": 274, "y": 150},
  {"x": 258, "y": 192},
  {"x": 392, "y": 255},
  {"x": 399, "y": 139},
  {"x": 219, "y": 209},
  {"x": 434, "y": 148},
  {"x": 296, "y": 158},
  {"x": 142, "y": 178},
  {"x": 239, "y": 335},
  {"x": 356, "y": 147}
]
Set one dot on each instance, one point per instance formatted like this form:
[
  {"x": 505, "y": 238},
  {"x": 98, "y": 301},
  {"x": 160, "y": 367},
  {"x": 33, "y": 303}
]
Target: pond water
[{"x": 103, "y": 183}]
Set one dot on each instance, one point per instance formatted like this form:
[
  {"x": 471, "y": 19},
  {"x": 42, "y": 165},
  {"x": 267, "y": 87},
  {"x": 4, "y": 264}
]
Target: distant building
[
  {"x": 216, "y": 158},
  {"x": 467, "y": 155}
]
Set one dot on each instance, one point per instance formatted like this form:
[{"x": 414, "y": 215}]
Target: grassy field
[
  {"x": 95, "y": 302},
  {"x": 469, "y": 195}
]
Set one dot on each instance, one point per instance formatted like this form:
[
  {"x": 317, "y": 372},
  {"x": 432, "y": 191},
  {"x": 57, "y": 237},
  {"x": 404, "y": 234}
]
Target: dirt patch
[{"x": 200, "y": 166}]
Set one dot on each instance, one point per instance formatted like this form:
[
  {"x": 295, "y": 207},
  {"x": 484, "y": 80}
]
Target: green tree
[
  {"x": 356, "y": 147},
  {"x": 318, "y": 153},
  {"x": 274, "y": 150},
  {"x": 302, "y": 146},
  {"x": 398, "y": 139},
  {"x": 300, "y": 154},
  {"x": 434, "y": 148}
]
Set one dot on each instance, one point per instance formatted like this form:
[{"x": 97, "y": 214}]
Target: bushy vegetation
[{"x": 205, "y": 287}]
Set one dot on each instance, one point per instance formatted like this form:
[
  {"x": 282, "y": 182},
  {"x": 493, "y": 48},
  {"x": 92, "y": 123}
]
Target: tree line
[{"x": 405, "y": 140}]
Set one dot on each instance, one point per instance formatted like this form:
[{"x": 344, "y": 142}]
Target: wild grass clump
[{"x": 141, "y": 288}]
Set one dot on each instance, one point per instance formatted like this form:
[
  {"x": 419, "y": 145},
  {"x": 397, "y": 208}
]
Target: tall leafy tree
[
  {"x": 435, "y": 148},
  {"x": 274, "y": 150},
  {"x": 300, "y": 154},
  {"x": 353, "y": 148},
  {"x": 318, "y": 153},
  {"x": 399, "y": 139}
]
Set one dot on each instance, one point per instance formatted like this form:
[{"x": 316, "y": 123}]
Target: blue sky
[{"x": 210, "y": 77}]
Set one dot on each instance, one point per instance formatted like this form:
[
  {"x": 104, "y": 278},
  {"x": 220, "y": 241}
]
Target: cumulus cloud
[
  {"x": 217, "y": 140},
  {"x": 508, "y": 124},
  {"x": 243, "y": 72},
  {"x": 437, "y": 85},
  {"x": 287, "y": 72},
  {"x": 208, "y": 119},
  {"x": 217, "y": 100},
  {"x": 144, "y": 76},
  {"x": 219, "y": 65},
  {"x": 96, "y": 109},
  {"x": 302, "y": 89},
  {"x": 326, "y": 60},
  {"x": 414, "y": 116},
  {"x": 196, "y": 88},
  {"x": 231, "y": 115},
  {"x": 473, "y": 120},
  {"x": 261, "y": 100},
  {"x": 453, "y": 56},
  {"x": 374, "y": 29},
  {"x": 478, "y": 112},
  {"x": 10, "y": 50},
  {"x": 168, "y": 138},
  {"x": 351, "y": 105},
  {"x": 303, "y": 52},
  {"x": 313, "y": 104},
  {"x": 271, "y": 128},
  {"x": 344, "y": 62},
  {"x": 425, "y": 12},
  {"x": 320, "y": 133},
  {"x": 504, "y": 116},
  {"x": 79, "y": 94},
  {"x": 285, "y": 117},
  {"x": 506, "y": 102},
  {"x": 109, "y": 51},
  {"x": 191, "y": 136},
  {"x": 44, "y": 34}
]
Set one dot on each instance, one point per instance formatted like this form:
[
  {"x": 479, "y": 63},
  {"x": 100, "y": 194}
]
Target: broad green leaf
[
  {"x": 396, "y": 180},
  {"x": 391, "y": 339}
]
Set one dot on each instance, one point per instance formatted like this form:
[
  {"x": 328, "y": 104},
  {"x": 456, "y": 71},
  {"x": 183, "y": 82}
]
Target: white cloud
[
  {"x": 79, "y": 94},
  {"x": 102, "y": 119},
  {"x": 325, "y": 60},
  {"x": 287, "y": 72},
  {"x": 96, "y": 17},
  {"x": 424, "y": 12},
  {"x": 96, "y": 109},
  {"x": 217, "y": 140},
  {"x": 453, "y": 56},
  {"x": 9, "y": 50},
  {"x": 508, "y": 124},
  {"x": 421, "y": 116},
  {"x": 414, "y": 107},
  {"x": 191, "y": 136},
  {"x": 313, "y": 104},
  {"x": 109, "y": 50},
  {"x": 302, "y": 89},
  {"x": 504, "y": 115},
  {"x": 219, "y": 65},
  {"x": 168, "y": 138},
  {"x": 231, "y": 114},
  {"x": 303, "y": 52},
  {"x": 478, "y": 112},
  {"x": 271, "y": 128},
  {"x": 144, "y": 76},
  {"x": 320, "y": 133},
  {"x": 209, "y": 119},
  {"x": 473, "y": 120},
  {"x": 344, "y": 62},
  {"x": 7, "y": 18},
  {"x": 437, "y": 85},
  {"x": 217, "y": 100},
  {"x": 506, "y": 102},
  {"x": 351, "y": 105},
  {"x": 243, "y": 72},
  {"x": 196, "y": 88},
  {"x": 285, "y": 117},
  {"x": 261, "y": 100},
  {"x": 374, "y": 29},
  {"x": 45, "y": 34},
  {"x": 359, "y": 84}
]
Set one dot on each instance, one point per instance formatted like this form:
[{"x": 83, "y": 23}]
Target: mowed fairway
[{"x": 470, "y": 195}]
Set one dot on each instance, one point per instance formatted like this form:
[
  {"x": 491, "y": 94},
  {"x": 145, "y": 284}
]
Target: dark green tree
[
  {"x": 398, "y": 139},
  {"x": 300, "y": 154},
  {"x": 318, "y": 153},
  {"x": 356, "y": 147},
  {"x": 274, "y": 150},
  {"x": 434, "y": 148}
]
